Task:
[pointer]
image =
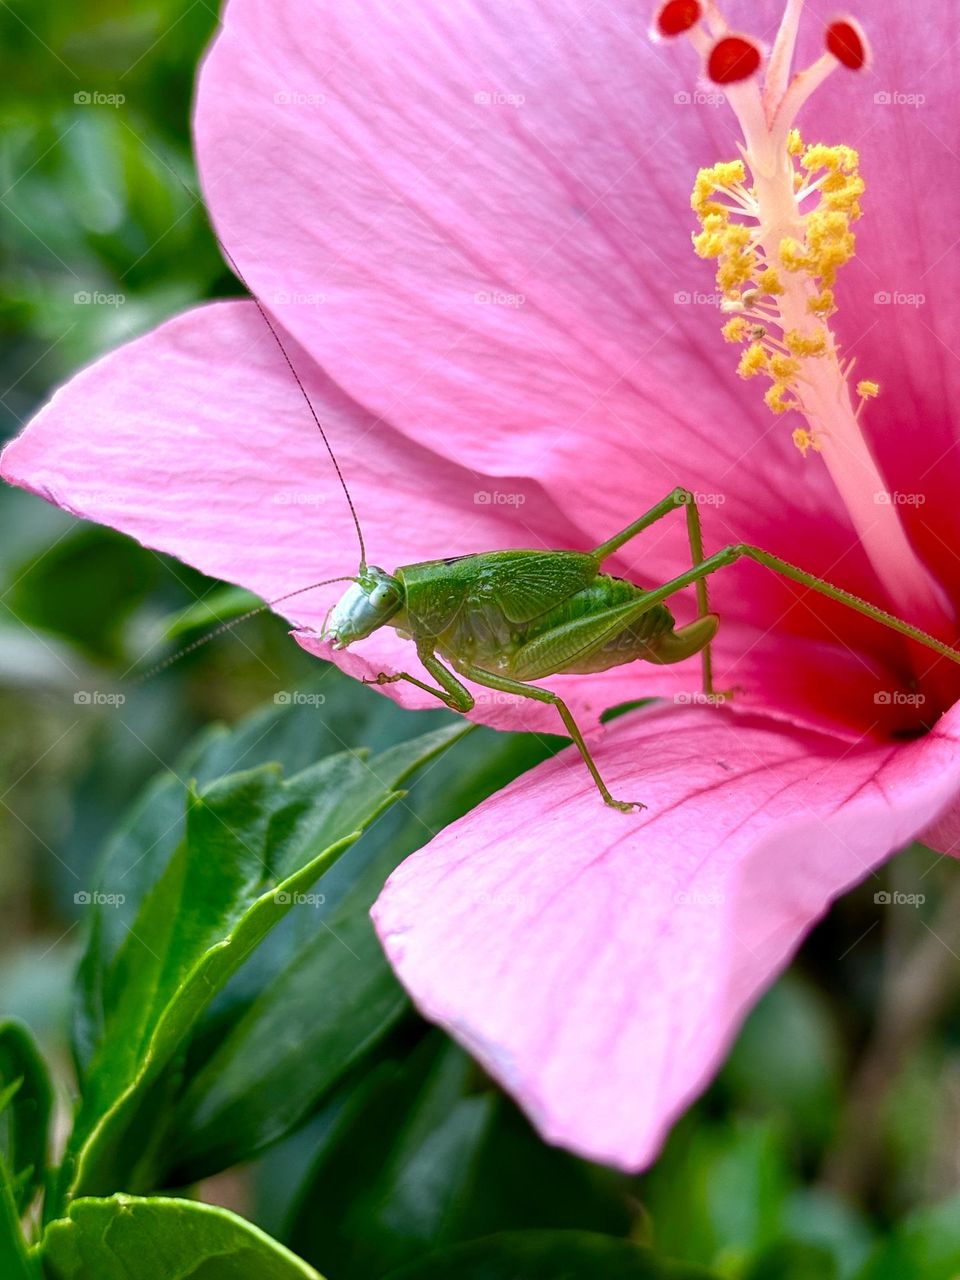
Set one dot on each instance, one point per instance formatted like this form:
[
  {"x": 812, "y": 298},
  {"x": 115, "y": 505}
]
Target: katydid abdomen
[{"x": 531, "y": 614}]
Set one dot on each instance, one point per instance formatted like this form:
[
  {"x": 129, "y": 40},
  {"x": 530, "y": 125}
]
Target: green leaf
[
  {"x": 15, "y": 1262},
  {"x": 924, "y": 1247},
  {"x": 330, "y": 713},
  {"x": 556, "y": 1255},
  {"x": 161, "y": 1239},
  {"x": 427, "y": 1155},
  {"x": 717, "y": 1194},
  {"x": 262, "y": 1064},
  {"x": 26, "y": 1098},
  {"x": 225, "y": 604},
  {"x": 788, "y": 1060},
  {"x": 294, "y": 1041},
  {"x": 793, "y": 1261},
  {"x": 251, "y": 843}
]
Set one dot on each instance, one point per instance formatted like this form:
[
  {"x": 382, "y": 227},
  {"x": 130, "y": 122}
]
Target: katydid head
[{"x": 364, "y": 607}]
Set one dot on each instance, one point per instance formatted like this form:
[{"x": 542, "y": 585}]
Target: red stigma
[
  {"x": 677, "y": 16},
  {"x": 846, "y": 42},
  {"x": 733, "y": 58}
]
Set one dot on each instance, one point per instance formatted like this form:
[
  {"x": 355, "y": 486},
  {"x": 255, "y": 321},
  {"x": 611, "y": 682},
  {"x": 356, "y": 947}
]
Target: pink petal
[{"x": 598, "y": 964}]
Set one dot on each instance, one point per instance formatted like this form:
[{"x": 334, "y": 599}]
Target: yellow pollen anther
[
  {"x": 753, "y": 361},
  {"x": 806, "y": 440},
  {"x": 794, "y": 143},
  {"x": 806, "y": 344},
  {"x": 768, "y": 281},
  {"x": 868, "y": 390},
  {"x": 835, "y": 159},
  {"x": 822, "y": 304},
  {"x": 735, "y": 268},
  {"x": 792, "y": 255},
  {"x": 784, "y": 368},
  {"x": 735, "y": 330},
  {"x": 774, "y": 398}
]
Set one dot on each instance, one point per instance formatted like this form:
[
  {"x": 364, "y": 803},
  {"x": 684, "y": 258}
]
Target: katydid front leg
[{"x": 451, "y": 692}]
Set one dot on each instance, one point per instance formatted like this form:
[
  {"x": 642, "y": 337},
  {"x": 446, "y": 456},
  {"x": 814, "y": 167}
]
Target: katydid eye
[{"x": 383, "y": 594}]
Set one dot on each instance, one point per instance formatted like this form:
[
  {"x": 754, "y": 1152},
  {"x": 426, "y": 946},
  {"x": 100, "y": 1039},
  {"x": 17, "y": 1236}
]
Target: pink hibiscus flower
[{"x": 475, "y": 224}]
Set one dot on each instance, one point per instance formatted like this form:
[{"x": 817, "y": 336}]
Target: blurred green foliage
[{"x": 399, "y": 1141}]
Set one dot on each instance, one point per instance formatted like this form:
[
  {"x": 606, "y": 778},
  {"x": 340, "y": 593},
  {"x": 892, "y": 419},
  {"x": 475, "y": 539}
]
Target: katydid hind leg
[
  {"x": 677, "y": 498},
  {"x": 743, "y": 550},
  {"x": 505, "y": 685}
]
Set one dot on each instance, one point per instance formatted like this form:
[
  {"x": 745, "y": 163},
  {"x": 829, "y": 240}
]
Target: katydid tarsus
[{"x": 503, "y": 619}]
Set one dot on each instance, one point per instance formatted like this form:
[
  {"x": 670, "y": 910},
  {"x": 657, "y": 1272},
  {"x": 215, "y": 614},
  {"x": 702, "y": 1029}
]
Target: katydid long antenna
[
  {"x": 228, "y": 626},
  {"x": 292, "y": 367}
]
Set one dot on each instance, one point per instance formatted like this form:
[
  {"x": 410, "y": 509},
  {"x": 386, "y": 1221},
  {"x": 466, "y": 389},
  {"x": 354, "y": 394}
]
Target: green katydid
[{"x": 502, "y": 619}]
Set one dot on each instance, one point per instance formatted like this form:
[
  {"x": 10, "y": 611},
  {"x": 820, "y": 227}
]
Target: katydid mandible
[{"x": 502, "y": 619}]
